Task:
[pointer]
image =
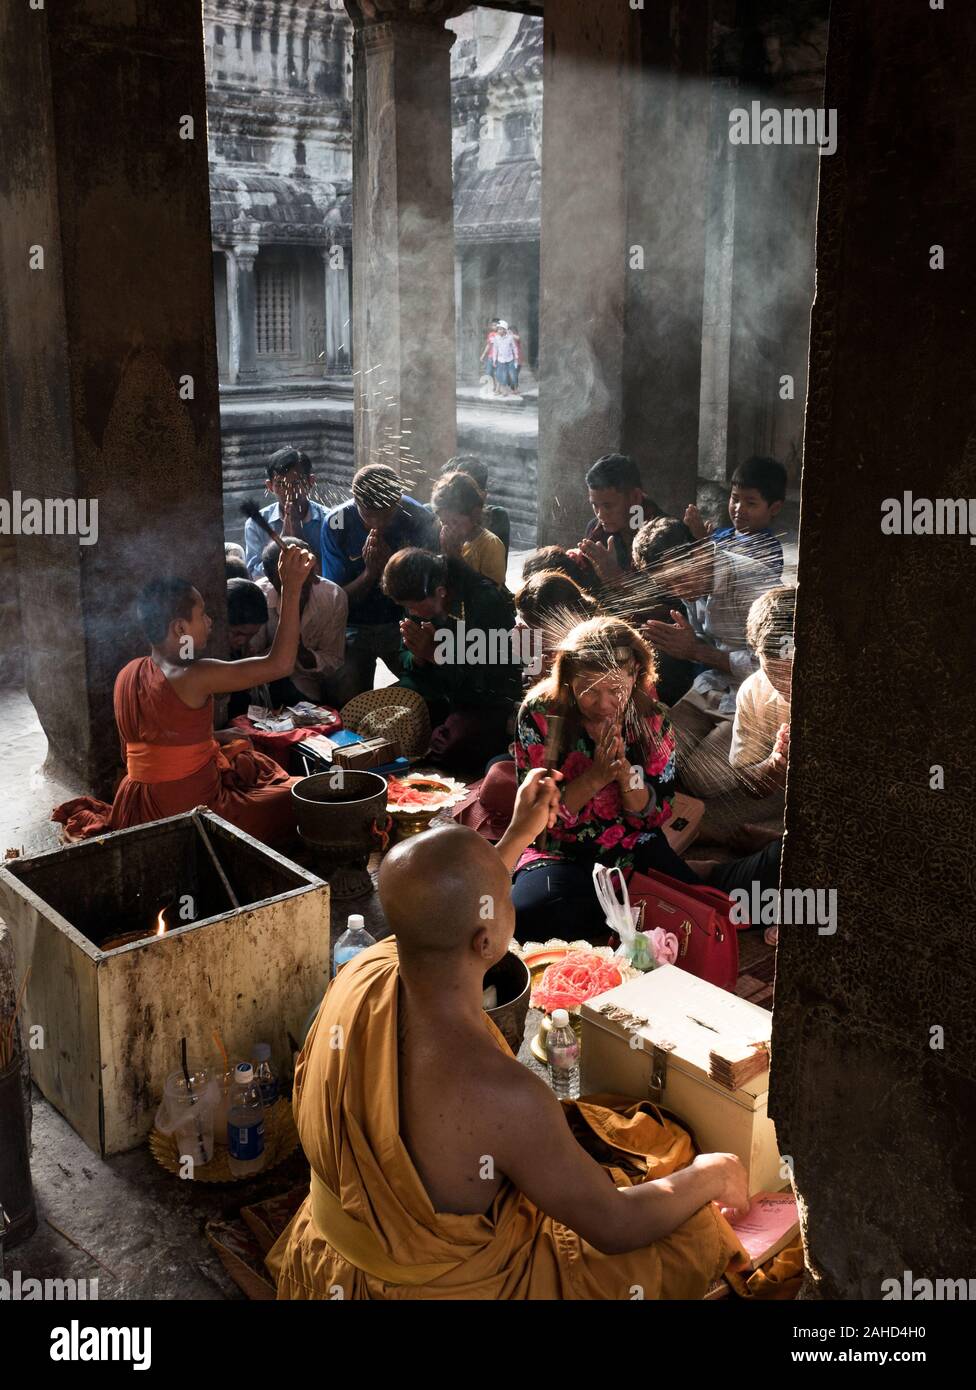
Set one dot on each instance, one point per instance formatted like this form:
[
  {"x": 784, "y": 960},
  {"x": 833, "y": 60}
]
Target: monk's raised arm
[
  {"x": 537, "y": 1151},
  {"x": 209, "y": 677}
]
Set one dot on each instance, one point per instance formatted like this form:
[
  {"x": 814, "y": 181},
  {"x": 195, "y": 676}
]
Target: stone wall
[{"x": 873, "y": 1082}]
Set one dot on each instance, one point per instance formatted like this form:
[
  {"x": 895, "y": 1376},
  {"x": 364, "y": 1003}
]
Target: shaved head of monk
[{"x": 447, "y": 898}]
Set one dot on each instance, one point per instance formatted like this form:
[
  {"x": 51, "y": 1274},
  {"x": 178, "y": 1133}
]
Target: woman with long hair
[{"x": 596, "y": 719}]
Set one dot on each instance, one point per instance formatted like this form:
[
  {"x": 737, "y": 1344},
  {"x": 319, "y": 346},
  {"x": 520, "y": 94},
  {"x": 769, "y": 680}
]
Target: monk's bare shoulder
[{"x": 515, "y": 1101}]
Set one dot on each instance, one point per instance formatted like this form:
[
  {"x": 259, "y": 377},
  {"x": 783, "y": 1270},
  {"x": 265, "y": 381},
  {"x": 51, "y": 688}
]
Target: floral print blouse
[{"x": 602, "y": 831}]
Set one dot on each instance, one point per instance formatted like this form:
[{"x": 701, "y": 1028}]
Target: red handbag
[{"x": 708, "y": 942}]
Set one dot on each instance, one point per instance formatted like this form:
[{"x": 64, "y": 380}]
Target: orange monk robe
[
  {"x": 369, "y": 1211},
  {"x": 174, "y": 764}
]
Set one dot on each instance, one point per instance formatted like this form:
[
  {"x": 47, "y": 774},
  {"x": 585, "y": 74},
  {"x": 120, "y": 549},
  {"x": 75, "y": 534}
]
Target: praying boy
[
  {"x": 757, "y": 494},
  {"x": 292, "y": 513},
  {"x": 470, "y": 692},
  {"x": 620, "y": 506},
  {"x": 358, "y": 539}
]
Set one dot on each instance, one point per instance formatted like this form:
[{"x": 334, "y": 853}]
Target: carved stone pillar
[
  {"x": 233, "y": 316},
  {"x": 403, "y": 236},
  {"x": 246, "y": 299},
  {"x": 338, "y": 328}
]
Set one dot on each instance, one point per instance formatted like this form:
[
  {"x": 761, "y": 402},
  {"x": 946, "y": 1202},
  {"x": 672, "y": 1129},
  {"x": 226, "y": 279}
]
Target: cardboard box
[{"x": 674, "y": 1039}]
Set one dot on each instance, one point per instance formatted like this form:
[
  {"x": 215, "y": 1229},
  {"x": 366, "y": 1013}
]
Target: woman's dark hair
[
  {"x": 549, "y": 598},
  {"x": 457, "y": 492},
  {"x": 413, "y": 574},
  {"x": 164, "y": 601},
  {"x": 246, "y": 603},
  {"x": 282, "y": 461},
  {"x": 553, "y": 557}
]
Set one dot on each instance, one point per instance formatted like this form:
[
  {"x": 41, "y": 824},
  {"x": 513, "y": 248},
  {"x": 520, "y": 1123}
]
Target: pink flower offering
[
  {"x": 579, "y": 976},
  {"x": 664, "y": 946}
]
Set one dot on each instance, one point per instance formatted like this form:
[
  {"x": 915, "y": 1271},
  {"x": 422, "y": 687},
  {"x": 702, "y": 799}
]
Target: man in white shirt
[
  {"x": 503, "y": 354},
  {"x": 290, "y": 481},
  {"x": 718, "y": 589},
  {"x": 322, "y": 642}
]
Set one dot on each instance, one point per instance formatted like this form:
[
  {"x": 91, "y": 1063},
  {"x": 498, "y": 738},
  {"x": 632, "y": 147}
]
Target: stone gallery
[{"x": 439, "y": 445}]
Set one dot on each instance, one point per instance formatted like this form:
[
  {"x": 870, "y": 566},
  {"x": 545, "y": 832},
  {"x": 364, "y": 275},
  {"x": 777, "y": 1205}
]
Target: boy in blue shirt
[
  {"x": 758, "y": 492},
  {"x": 292, "y": 513},
  {"x": 357, "y": 540}
]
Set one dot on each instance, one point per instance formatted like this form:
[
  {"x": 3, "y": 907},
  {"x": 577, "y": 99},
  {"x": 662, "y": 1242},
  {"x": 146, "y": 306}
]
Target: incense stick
[
  {"x": 253, "y": 513},
  {"x": 221, "y": 1049},
  {"x": 551, "y": 750},
  {"x": 216, "y": 862}
]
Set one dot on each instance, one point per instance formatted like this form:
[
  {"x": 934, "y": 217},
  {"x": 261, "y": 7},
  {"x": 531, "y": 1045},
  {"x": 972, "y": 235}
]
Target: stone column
[
  {"x": 338, "y": 328},
  {"x": 624, "y": 161},
  {"x": 667, "y": 178},
  {"x": 873, "y": 1081},
  {"x": 109, "y": 357},
  {"x": 245, "y": 254},
  {"x": 403, "y": 236},
  {"x": 233, "y": 317},
  {"x": 583, "y": 263}
]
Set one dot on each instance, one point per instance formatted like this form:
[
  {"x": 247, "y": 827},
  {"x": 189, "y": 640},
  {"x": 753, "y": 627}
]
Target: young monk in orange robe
[
  {"x": 443, "y": 1168},
  {"x": 164, "y": 712}
]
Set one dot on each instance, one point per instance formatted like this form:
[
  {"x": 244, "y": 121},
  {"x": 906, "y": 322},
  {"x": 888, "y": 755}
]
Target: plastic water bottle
[
  {"x": 563, "y": 1057},
  {"x": 263, "y": 1074},
  {"x": 245, "y": 1124},
  {"x": 353, "y": 940}
]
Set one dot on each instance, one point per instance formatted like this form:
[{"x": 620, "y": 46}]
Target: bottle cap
[
  {"x": 356, "y": 920},
  {"x": 560, "y": 1018},
  {"x": 243, "y": 1073},
  {"x": 261, "y": 1052}
]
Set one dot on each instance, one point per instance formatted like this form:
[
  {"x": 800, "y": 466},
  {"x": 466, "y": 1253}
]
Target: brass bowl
[
  {"x": 413, "y": 820},
  {"x": 407, "y": 823}
]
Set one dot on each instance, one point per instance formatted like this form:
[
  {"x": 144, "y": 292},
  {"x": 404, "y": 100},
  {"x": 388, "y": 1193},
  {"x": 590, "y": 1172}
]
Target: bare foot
[{"x": 748, "y": 838}]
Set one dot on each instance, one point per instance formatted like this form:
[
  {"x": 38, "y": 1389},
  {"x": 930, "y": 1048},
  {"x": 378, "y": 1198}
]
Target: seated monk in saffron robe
[
  {"x": 441, "y": 1166},
  {"x": 164, "y": 712}
]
